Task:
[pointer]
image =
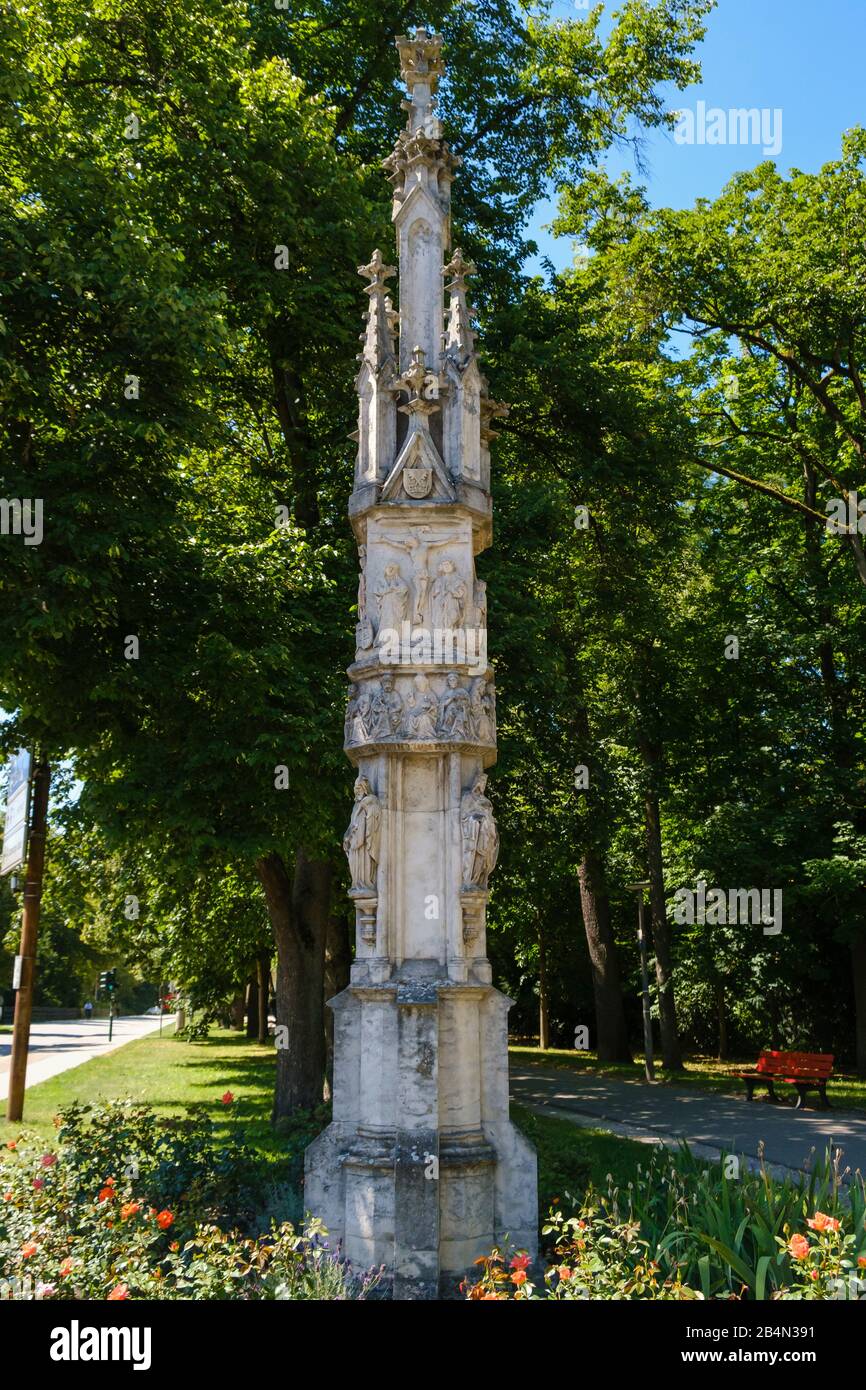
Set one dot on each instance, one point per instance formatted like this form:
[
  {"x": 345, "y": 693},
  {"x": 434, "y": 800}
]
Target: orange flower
[
  {"x": 29, "y": 1248},
  {"x": 129, "y": 1209},
  {"x": 119, "y": 1292},
  {"x": 495, "y": 1296},
  {"x": 66, "y": 1266},
  {"x": 164, "y": 1220},
  {"x": 8, "y": 1196},
  {"x": 521, "y": 1261},
  {"x": 106, "y": 1194},
  {"x": 519, "y": 1277},
  {"x": 11, "y": 1144},
  {"x": 861, "y": 1260},
  {"x": 227, "y": 1098},
  {"x": 820, "y": 1222},
  {"x": 564, "y": 1272},
  {"x": 799, "y": 1247},
  {"x": 175, "y": 1245},
  {"x": 814, "y": 1274}
]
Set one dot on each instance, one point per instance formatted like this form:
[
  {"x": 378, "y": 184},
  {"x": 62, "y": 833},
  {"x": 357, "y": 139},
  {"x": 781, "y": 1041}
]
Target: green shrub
[
  {"x": 127, "y": 1205},
  {"x": 684, "y": 1230}
]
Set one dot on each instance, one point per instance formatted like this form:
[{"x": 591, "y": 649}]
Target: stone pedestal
[{"x": 421, "y": 1169}]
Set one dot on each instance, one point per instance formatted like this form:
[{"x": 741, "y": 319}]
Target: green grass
[
  {"x": 171, "y": 1075},
  {"x": 845, "y": 1091},
  {"x": 570, "y": 1158}
]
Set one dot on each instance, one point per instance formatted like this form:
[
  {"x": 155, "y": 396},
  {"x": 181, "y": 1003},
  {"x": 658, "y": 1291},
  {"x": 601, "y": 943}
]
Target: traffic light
[{"x": 108, "y": 981}]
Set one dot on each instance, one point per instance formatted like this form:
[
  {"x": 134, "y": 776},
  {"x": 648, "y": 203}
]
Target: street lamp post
[{"x": 640, "y": 889}]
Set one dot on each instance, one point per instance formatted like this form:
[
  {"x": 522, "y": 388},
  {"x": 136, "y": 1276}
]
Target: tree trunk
[
  {"x": 299, "y": 914},
  {"x": 858, "y": 970},
  {"x": 263, "y": 966},
  {"x": 237, "y": 1008},
  {"x": 253, "y": 1006},
  {"x": 671, "y": 1053},
  {"x": 338, "y": 961},
  {"x": 721, "y": 1015},
  {"x": 543, "y": 1001},
  {"x": 611, "y": 1032}
]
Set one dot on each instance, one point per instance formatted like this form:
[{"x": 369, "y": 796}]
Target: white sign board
[{"x": 17, "y": 813}]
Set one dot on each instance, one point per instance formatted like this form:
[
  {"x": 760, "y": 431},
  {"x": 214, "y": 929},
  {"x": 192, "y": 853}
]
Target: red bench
[{"x": 808, "y": 1071}]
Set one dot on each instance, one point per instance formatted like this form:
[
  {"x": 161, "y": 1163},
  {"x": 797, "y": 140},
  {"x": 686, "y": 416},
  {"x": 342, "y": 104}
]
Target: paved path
[
  {"x": 708, "y": 1121},
  {"x": 55, "y": 1047}
]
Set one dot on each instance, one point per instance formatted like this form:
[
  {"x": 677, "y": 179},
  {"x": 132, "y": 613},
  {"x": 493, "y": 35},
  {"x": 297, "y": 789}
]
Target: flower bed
[{"x": 128, "y": 1206}]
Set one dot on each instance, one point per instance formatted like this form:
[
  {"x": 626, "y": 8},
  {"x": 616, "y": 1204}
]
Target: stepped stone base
[{"x": 421, "y": 1169}]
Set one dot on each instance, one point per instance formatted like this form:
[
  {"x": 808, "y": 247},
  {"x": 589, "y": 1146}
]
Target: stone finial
[
  {"x": 377, "y": 272},
  {"x": 420, "y": 59},
  {"x": 378, "y": 339},
  {"x": 414, "y": 377},
  {"x": 459, "y": 338}
]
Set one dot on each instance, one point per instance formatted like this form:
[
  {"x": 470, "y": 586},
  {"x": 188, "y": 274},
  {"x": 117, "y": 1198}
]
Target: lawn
[
  {"x": 173, "y": 1075},
  {"x": 845, "y": 1091}
]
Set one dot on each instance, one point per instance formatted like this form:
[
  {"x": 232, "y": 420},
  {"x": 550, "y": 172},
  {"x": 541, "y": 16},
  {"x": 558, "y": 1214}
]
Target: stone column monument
[{"x": 421, "y": 1168}]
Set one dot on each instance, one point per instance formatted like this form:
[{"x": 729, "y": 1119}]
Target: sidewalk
[
  {"x": 56, "y": 1047},
  {"x": 707, "y": 1121}
]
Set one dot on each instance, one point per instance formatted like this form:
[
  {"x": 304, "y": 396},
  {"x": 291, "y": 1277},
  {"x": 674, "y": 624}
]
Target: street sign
[{"x": 17, "y": 812}]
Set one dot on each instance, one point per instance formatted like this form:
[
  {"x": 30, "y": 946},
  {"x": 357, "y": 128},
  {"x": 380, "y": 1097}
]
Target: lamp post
[{"x": 640, "y": 889}]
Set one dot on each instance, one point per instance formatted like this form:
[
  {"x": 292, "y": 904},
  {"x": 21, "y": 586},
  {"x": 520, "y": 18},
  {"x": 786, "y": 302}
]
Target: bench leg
[
  {"x": 771, "y": 1093},
  {"x": 822, "y": 1091},
  {"x": 802, "y": 1092}
]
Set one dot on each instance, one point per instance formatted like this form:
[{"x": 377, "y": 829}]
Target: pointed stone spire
[
  {"x": 459, "y": 338},
  {"x": 421, "y": 170},
  {"x": 378, "y": 339}
]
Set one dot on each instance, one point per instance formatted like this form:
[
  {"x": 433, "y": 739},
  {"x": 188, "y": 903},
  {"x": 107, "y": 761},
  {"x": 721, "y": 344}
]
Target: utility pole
[
  {"x": 640, "y": 889},
  {"x": 29, "y": 933}
]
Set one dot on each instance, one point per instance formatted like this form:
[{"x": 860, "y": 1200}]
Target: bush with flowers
[
  {"x": 125, "y": 1205},
  {"x": 688, "y": 1230}
]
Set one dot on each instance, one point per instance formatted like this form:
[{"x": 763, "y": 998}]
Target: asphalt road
[{"x": 715, "y": 1122}]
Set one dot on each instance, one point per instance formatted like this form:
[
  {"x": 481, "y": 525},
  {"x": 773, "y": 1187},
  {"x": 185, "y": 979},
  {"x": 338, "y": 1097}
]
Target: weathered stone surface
[{"x": 421, "y": 1168}]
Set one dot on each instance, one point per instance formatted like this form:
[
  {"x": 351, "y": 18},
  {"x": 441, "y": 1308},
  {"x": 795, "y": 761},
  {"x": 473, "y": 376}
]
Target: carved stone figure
[
  {"x": 359, "y": 717},
  {"x": 423, "y": 710},
  {"x": 454, "y": 708},
  {"x": 480, "y": 836},
  {"x": 386, "y": 709},
  {"x": 480, "y": 600},
  {"x": 393, "y": 600},
  {"x": 481, "y": 706},
  {"x": 448, "y": 598},
  {"x": 361, "y": 840}
]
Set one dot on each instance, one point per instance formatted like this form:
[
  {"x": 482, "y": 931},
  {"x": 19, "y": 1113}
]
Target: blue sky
[{"x": 805, "y": 57}]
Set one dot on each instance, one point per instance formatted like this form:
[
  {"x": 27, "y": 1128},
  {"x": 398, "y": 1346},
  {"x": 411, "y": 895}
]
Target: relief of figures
[
  {"x": 377, "y": 713},
  {"x": 454, "y": 709},
  {"x": 393, "y": 600},
  {"x": 386, "y": 709},
  {"x": 423, "y": 713},
  {"x": 481, "y": 703},
  {"x": 448, "y": 598}
]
